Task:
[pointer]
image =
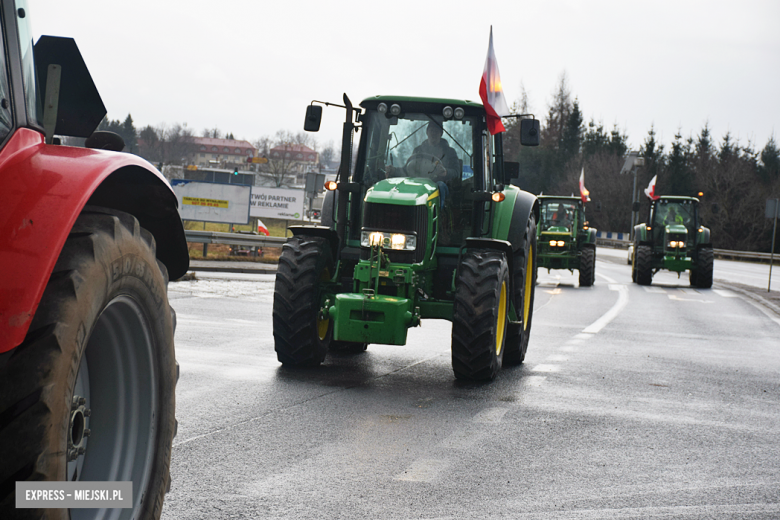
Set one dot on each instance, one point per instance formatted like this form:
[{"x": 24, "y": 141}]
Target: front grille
[{"x": 398, "y": 219}]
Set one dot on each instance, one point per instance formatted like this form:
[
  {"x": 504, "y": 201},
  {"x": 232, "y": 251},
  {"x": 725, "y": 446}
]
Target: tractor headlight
[
  {"x": 397, "y": 241},
  {"x": 557, "y": 243}
]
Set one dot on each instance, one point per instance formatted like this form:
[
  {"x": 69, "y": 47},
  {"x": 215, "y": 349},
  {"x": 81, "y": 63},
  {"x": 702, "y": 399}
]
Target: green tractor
[
  {"x": 565, "y": 239},
  {"x": 673, "y": 239},
  {"x": 426, "y": 226}
]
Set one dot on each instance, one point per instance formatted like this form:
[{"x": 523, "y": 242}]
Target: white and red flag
[
  {"x": 584, "y": 193},
  {"x": 491, "y": 92},
  {"x": 650, "y": 190},
  {"x": 261, "y": 229}
]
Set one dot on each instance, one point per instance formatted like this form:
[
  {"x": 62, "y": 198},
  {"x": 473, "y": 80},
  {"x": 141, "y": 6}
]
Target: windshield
[
  {"x": 418, "y": 145},
  {"x": 558, "y": 215},
  {"x": 669, "y": 212}
]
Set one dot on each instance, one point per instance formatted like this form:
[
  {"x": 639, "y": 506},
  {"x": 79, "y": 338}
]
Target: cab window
[
  {"x": 6, "y": 121},
  {"x": 28, "y": 61}
]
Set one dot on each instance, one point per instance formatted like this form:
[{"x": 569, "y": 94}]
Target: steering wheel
[{"x": 425, "y": 165}]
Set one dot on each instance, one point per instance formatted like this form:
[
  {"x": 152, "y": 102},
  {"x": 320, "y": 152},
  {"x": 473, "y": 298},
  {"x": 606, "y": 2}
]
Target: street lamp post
[{"x": 631, "y": 165}]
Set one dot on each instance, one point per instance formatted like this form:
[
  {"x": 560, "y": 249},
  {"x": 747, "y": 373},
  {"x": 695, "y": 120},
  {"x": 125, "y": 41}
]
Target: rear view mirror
[
  {"x": 529, "y": 132},
  {"x": 313, "y": 118}
]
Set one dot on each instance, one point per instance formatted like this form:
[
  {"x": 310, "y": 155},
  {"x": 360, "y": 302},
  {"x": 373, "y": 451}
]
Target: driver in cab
[{"x": 434, "y": 156}]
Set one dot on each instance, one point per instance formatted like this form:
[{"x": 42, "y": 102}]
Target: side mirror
[
  {"x": 529, "y": 132},
  {"x": 636, "y": 206},
  {"x": 313, "y": 118}
]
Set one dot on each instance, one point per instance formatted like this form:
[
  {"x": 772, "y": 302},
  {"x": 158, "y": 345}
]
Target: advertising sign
[
  {"x": 284, "y": 204},
  {"x": 211, "y": 202}
]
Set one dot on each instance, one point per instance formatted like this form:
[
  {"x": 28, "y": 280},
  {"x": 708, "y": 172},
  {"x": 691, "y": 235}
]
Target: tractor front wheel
[
  {"x": 479, "y": 318},
  {"x": 644, "y": 265},
  {"x": 588, "y": 266},
  {"x": 89, "y": 394},
  {"x": 301, "y": 337},
  {"x": 701, "y": 275},
  {"x": 523, "y": 289}
]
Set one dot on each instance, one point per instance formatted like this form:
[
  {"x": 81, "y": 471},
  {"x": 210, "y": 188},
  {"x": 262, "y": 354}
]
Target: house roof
[{"x": 231, "y": 143}]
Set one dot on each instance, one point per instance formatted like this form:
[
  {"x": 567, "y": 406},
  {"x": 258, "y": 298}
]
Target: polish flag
[
  {"x": 491, "y": 92},
  {"x": 262, "y": 229},
  {"x": 650, "y": 190},
  {"x": 584, "y": 193}
]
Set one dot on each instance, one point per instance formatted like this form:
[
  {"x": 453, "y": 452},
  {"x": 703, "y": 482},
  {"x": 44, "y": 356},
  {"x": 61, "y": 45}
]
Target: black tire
[
  {"x": 644, "y": 265},
  {"x": 523, "y": 291},
  {"x": 99, "y": 355},
  {"x": 300, "y": 337},
  {"x": 587, "y": 266},
  {"x": 479, "y": 316},
  {"x": 704, "y": 267}
]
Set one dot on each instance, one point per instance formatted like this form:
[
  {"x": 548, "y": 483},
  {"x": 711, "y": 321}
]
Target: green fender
[
  {"x": 703, "y": 237},
  {"x": 511, "y": 215}
]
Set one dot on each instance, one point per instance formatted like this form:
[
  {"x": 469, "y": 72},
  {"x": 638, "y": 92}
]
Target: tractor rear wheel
[
  {"x": 587, "y": 266},
  {"x": 704, "y": 267},
  {"x": 644, "y": 265},
  {"x": 301, "y": 338},
  {"x": 523, "y": 291},
  {"x": 479, "y": 317},
  {"x": 89, "y": 394}
]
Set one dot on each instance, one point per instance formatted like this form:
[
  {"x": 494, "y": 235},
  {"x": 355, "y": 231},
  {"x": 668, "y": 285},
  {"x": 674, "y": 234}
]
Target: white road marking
[
  {"x": 462, "y": 440},
  {"x": 581, "y": 336},
  {"x": 490, "y": 415},
  {"x": 533, "y": 380},
  {"x": 556, "y": 357},
  {"x": 678, "y": 299},
  {"x": 612, "y": 313},
  {"x": 725, "y": 293},
  {"x": 570, "y": 348},
  {"x": 657, "y": 290},
  {"x": 545, "y": 368},
  {"x": 423, "y": 470}
]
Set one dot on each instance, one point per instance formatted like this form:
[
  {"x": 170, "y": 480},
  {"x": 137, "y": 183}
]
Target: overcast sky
[{"x": 251, "y": 67}]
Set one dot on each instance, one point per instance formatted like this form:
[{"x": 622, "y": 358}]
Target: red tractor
[{"x": 89, "y": 238}]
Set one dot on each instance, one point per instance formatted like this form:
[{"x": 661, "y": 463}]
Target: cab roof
[{"x": 412, "y": 99}]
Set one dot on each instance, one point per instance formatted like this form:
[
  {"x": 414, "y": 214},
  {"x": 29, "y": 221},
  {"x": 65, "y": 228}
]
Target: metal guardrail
[
  {"x": 245, "y": 239},
  {"x": 234, "y": 239},
  {"x": 744, "y": 255}
]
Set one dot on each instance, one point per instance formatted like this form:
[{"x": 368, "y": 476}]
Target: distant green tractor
[
  {"x": 673, "y": 239},
  {"x": 564, "y": 239},
  {"x": 427, "y": 226}
]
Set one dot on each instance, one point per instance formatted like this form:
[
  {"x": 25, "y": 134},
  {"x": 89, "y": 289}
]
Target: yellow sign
[
  {"x": 192, "y": 167},
  {"x": 209, "y": 203},
  {"x": 256, "y": 160}
]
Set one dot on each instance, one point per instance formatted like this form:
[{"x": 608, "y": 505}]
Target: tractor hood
[
  {"x": 676, "y": 229},
  {"x": 403, "y": 191}
]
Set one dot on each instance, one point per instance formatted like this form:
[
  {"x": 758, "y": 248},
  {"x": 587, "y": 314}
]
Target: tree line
[
  {"x": 173, "y": 144},
  {"x": 735, "y": 179}
]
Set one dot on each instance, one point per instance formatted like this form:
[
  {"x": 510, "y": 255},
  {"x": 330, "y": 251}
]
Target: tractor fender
[
  {"x": 325, "y": 232},
  {"x": 590, "y": 237},
  {"x": 640, "y": 233},
  {"x": 525, "y": 204},
  {"x": 329, "y": 205},
  {"x": 703, "y": 237},
  {"x": 45, "y": 187}
]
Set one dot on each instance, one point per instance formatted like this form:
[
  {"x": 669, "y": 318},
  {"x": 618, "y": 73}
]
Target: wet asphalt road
[{"x": 657, "y": 402}]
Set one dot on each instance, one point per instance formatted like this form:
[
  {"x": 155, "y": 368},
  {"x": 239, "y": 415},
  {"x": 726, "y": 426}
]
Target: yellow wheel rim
[
  {"x": 529, "y": 282},
  {"x": 322, "y": 325},
  {"x": 501, "y": 324}
]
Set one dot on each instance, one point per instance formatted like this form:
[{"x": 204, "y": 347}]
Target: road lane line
[
  {"x": 725, "y": 293},
  {"x": 612, "y": 313},
  {"x": 545, "y": 368},
  {"x": 658, "y": 290},
  {"x": 490, "y": 415},
  {"x": 423, "y": 470},
  {"x": 533, "y": 380},
  {"x": 462, "y": 440},
  {"x": 556, "y": 357}
]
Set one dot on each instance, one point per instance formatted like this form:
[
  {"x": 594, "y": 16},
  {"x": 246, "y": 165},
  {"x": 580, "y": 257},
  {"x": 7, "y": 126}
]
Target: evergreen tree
[
  {"x": 679, "y": 175},
  {"x": 130, "y": 135},
  {"x": 769, "y": 167}
]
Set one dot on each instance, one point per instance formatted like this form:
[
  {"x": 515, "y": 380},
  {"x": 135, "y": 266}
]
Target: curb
[{"x": 771, "y": 306}]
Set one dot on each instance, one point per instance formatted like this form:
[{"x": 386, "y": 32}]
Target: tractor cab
[{"x": 674, "y": 221}]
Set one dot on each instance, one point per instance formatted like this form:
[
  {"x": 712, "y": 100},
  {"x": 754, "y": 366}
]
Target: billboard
[
  {"x": 211, "y": 202},
  {"x": 284, "y": 204}
]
